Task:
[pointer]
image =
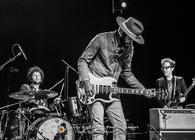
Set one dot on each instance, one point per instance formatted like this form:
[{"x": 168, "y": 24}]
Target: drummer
[{"x": 38, "y": 106}]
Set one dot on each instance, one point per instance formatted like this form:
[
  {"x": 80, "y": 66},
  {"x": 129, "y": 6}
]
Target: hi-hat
[{"x": 27, "y": 95}]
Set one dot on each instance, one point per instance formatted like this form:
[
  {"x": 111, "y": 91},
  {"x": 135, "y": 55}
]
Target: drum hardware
[
  {"x": 8, "y": 118},
  {"x": 2, "y": 129},
  {"x": 81, "y": 124},
  {"x": 83, "y": 131},
  {"x": 57, "y": 110},
  {"x": 58, "y": 103},
  {"x": 20, "y": 125},
  {"x": 21, "y": 128}
]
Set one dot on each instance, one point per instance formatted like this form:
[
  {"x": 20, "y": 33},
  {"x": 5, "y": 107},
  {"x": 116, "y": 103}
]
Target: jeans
[{"x": 116, "y": 116}]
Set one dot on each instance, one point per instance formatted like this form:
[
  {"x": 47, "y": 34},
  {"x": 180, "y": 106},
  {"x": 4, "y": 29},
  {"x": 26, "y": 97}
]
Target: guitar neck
[
  {"x": 128, "y": 91},
  {"x": 188, "y": 90}
]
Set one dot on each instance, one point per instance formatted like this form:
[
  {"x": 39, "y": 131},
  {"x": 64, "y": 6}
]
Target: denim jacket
[{"x": 104, "y": 56}]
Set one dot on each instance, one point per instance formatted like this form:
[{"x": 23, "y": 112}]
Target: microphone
[{"x": 22, "y": 52}]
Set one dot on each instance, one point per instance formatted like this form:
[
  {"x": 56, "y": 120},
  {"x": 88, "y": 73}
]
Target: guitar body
[
  {"x": 102, "y": 88},
  {"x": 105, "y": 90}
]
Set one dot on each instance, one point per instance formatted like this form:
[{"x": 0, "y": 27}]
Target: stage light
[
  {"x": 123, "y": 4},
  {"x": 119, "y": 6}
]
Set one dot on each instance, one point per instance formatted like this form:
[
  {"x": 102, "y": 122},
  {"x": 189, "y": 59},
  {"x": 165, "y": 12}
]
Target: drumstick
[
  {"x": 57, "y": 111},
  {"x": 56, "y": 84},
  {"x": 61, "y": 90}
]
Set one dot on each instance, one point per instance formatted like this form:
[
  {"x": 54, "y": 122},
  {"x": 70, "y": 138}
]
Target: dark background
[{"x": 49, "y": 31}]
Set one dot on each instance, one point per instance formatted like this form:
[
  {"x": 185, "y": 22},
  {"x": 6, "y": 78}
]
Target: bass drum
[{"x": 50, "y": 128}]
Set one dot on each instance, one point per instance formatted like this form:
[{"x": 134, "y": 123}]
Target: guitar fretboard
[
  {"x": 190, "y": 87},
  {"x": 128, "y": 91},
  {"x": 108, "y": 89}
]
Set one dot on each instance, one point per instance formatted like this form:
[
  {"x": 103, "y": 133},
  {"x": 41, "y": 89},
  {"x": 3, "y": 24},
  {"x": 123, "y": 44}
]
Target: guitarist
[
  {"x": 170, "y": 87},
  {"x": 110, "y": 54}
]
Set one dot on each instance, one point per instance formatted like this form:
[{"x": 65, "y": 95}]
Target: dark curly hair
[
  {"x": 32, "y": 70},
  {"x": 169, "y": 60}
]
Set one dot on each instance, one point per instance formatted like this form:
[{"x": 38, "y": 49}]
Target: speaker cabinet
[
  {"x": 172, "y": 119},
  {"x": 172, "y": 135}
]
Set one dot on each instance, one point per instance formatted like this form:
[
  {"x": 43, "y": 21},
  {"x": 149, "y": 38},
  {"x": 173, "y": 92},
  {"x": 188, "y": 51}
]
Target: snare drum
[
  {"x": 50, "y": 128},
  {"x": 71, "y": 107},
  {"x": 37, "y": 112}
]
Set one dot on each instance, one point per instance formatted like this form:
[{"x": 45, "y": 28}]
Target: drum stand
[
  {"x": 82, "y": 130},
  {"x": 7, "y": 119},
  {"x": 66, "y": 77},
  {"x": 84, "y": 126},
  {"x": 2, "y": 129},
  {"x": 21, "y": 128},
  {"x": 22, "y": 132}
]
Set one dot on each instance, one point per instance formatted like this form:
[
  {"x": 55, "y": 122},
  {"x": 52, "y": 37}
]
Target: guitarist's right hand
[
  {"x": 182, "y": 99},
  {"x": 88, "y": 88}
]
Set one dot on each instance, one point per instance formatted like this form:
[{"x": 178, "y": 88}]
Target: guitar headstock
[{"x": 193, "y": 81}]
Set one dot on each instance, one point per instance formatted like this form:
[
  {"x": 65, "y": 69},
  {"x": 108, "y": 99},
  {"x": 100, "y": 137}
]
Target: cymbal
[
  {"x": 21, "y": 95},
  {"x": 48, "y": 93},
  {"x": 26, "y": 95}
]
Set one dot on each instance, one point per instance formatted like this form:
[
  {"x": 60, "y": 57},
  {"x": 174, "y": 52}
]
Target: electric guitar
[
  {"x": 176, "y": 102},
  {"x": 105, "y": 90}
]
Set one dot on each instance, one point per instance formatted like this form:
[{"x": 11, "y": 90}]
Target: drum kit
[{"x": 69, "y": 120}]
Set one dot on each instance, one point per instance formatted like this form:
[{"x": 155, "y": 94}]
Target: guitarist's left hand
[{"x": 150, "y": 93}]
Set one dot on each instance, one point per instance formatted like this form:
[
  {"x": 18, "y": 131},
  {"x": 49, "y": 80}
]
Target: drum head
[{"x": 51, "y": 128}]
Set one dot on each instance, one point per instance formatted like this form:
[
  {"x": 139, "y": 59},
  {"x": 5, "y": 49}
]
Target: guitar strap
[
  {"x": 172, "y": 96},
  {"x": 174, "y": 89}
]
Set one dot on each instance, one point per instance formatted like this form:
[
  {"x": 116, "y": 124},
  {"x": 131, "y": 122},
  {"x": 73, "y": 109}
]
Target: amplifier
[
  {"x": 172, "y": 119},
  {"x": 172, "y": 135}
]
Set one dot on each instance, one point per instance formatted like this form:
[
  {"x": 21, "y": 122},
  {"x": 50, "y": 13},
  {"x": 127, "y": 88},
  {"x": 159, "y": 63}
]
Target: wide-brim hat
[{"x": 132, "y": 27}]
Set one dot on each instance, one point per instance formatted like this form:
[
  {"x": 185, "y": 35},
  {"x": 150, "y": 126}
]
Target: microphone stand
[
  {"x": 66, "y": 77},
  {"x": 69, "y": 66},
  {"x": 10, "y": 60}
]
